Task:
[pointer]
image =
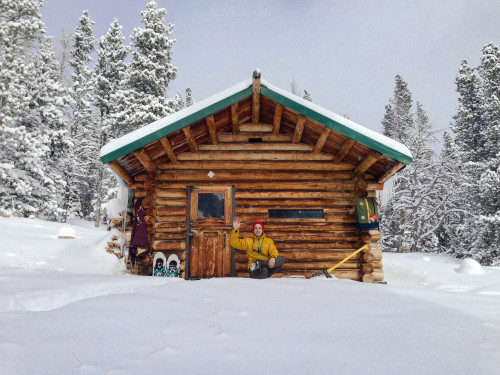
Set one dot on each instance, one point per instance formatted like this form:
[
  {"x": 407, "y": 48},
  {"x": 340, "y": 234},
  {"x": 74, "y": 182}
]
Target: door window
[{"x": 211, "y": 205}]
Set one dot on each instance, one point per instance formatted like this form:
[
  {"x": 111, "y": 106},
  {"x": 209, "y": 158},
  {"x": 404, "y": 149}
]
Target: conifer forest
[{"x": 62, "y": 99}]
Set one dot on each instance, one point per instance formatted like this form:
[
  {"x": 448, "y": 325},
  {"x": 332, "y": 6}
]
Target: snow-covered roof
[{"x": 167, "y": 125}]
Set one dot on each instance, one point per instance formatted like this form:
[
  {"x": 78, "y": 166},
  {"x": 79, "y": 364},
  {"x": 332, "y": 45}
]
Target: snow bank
[
  {"x": 470, "y": 267},
  {"x": 33, "y": 244}
]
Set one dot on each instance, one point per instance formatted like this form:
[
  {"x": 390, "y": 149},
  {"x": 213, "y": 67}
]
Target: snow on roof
[{"x": 167, "y": 125}]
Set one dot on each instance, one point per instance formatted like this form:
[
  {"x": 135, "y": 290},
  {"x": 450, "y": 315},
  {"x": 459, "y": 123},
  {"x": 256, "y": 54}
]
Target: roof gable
[{"x": 270, "y": 114}]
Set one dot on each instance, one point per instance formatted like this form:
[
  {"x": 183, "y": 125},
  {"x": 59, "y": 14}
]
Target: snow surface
[{"x": 66, "y": 307}]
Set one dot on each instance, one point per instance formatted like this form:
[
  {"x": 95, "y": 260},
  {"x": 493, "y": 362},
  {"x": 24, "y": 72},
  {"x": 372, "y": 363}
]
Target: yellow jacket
[{"x": 257, "y": 248}]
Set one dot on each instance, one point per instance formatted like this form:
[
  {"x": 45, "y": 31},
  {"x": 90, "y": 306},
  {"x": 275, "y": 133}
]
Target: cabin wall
[{"x": 269, "y": 176}]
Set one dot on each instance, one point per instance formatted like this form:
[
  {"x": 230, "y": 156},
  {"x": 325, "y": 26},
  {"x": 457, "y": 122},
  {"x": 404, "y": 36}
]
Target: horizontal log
[
  {"x": 239, "y": 194},
  {"x": 165, "y": 210},
  {"x": 257, "y": 165},
  {"x": 171, "y": 202},
  {"x": 367, "y": 268},
  {"x": 292, "y": 204},
  {"x": 171, "y": 193},
  {"x": 170, "y": 218},
  {"x": 265, "y": 209},
  {"x": 305, "y": 266},
  {"x": 370, "y": 236},
  {"x": 244, "y": 137},
  {"x": 195, "y": 177},
  {"x": 263, "y": 155},
  {"x": 368, "y": 278},
  {"x": 170, "y": 227},
  {"x": 170, "y": 236},
  {"x": 378, "y": 274},
  {"x": 339, "y": 274},
  {"x": 270, "y": 227},
  {"x": 374, "y": 186},
  {"x": 169, "y": 245},
  {"x": 256, "y": 147},
  {"x": 316, "y": 245},
  {"x": 259, "y": 127}
]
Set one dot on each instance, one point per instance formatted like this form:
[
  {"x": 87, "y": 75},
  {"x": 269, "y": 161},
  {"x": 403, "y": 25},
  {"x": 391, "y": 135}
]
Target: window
[
  {"x": 295, "y": 214},
  {"x": 210, "y": 205}
]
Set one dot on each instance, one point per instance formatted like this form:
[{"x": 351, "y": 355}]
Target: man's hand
[
  {"x": 236, "y": 223},
  {"x": 270, "y": 263}
]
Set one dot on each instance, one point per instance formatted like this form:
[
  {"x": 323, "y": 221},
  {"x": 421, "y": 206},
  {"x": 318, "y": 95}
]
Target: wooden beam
[
  {"x": 230, "y": 137},
  {"x": 235, "y": 121},
  {"x": 168, "y": 149},
  {"x": 262, "y": 155},
  {"x": 211, "y": 129},
  {"x": 190, "y": 139},
  {"x": 344, "y": 150},
  {"x": 322, "y": 140},
  {"x": 256, "y": 97},
  {"x": 121, "y": 172},
  {"x": 281, "y": 146},
  {"x": 297, "y": 136},
  {"x": 391, "y": 172},
  {"x": 367, "y": 162},
  {"x": 145, "y": 160},
  {"x": 254, "y": 128},
  {"x": 278, "y": 111}
]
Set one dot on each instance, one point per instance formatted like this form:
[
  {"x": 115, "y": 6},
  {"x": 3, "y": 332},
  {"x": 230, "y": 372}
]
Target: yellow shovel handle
[{"x": 346, "y": 259}]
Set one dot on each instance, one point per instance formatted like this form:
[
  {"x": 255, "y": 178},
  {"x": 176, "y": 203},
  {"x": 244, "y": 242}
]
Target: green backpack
[{"x": 367, "y": 213}]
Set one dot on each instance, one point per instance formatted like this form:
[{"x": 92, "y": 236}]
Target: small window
[
  {"x": 295, "y": 214},
  {"x": 254, "y": 140},
  {"x": 210, "y": 205}
]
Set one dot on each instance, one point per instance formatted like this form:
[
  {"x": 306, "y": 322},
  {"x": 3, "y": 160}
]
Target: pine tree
[
  {"x": 487, "y": 248},
  {"x": 109, "y": 71},
  {"x": 189, "y": 97},
  {"x": 84, "y": 127},
  {"x": 307, "y": 96},
  {"x": 22, "y": 172},
  {"x": 143, "y": 97},
  {"x": 48, "y": 120},
  {"x": 398, "y": 118}
]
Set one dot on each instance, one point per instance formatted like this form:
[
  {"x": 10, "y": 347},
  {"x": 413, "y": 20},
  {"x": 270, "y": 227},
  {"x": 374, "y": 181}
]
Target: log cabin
[{"x": 263, "y": 154}]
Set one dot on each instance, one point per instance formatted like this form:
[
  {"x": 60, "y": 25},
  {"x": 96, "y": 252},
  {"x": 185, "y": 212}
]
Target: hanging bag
[{"x": 367, "y": 213}]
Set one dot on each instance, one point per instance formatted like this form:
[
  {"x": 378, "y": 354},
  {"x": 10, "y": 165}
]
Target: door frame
[{"x": 192, "y": 217}]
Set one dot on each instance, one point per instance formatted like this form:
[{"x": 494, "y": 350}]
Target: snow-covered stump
[{"x": 66, "y": 233}]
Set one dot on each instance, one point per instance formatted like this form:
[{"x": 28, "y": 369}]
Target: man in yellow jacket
[{"x": 263, "y": 257}]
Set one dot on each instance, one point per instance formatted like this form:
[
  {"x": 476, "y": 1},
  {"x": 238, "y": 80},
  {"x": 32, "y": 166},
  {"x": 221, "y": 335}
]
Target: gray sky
[{"x": 346, "y": 53}]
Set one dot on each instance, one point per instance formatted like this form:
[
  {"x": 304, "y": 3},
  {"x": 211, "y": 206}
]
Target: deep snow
[{"x": 67, "y": 308}]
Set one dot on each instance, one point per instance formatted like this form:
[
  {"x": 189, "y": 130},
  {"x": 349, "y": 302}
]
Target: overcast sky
[{"x": 346, "y": 53}]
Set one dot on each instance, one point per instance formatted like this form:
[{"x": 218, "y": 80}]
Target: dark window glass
[
  {"x": 210, "y": 205},
  {"x": 295, "y": 214}
]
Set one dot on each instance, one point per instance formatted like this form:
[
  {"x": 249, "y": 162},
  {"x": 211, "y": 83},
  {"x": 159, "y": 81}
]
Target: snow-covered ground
[{"x": 67, "y": 308}]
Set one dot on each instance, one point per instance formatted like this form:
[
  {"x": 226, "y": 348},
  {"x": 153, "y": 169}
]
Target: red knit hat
[{"x": 257, "y": 222}]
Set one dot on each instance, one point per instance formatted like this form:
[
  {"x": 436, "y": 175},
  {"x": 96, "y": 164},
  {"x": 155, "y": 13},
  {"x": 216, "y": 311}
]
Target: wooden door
[{"x": 211, "y": 220}]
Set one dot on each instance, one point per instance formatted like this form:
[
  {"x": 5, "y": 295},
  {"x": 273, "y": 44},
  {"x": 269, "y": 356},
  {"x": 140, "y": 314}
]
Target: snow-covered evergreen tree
[
  {"x": 487, "y": 249},
  {"x": 189, "y": 97},
  {"x": 109, "y": 70},
  {"x": 48, "y": 122},
  {"x": 143, "y": 99},
  {"x": 23, "y": 176},
  {"x": 84, "y": 127},
  {"x": 398, "y": 118},
  {"x": 307, "y": 96}
]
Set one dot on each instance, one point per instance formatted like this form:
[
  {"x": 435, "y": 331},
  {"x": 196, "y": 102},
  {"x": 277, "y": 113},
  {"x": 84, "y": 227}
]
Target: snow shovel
[{"x": 327, "y": 272}]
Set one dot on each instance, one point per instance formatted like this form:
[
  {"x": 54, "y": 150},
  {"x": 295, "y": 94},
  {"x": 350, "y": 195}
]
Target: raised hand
[{"x": 236, "y": 223}]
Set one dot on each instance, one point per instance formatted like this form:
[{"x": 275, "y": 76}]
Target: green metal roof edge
[
  {"x": 170, "y": 128},
  {"x": 334, "y": 125}
]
